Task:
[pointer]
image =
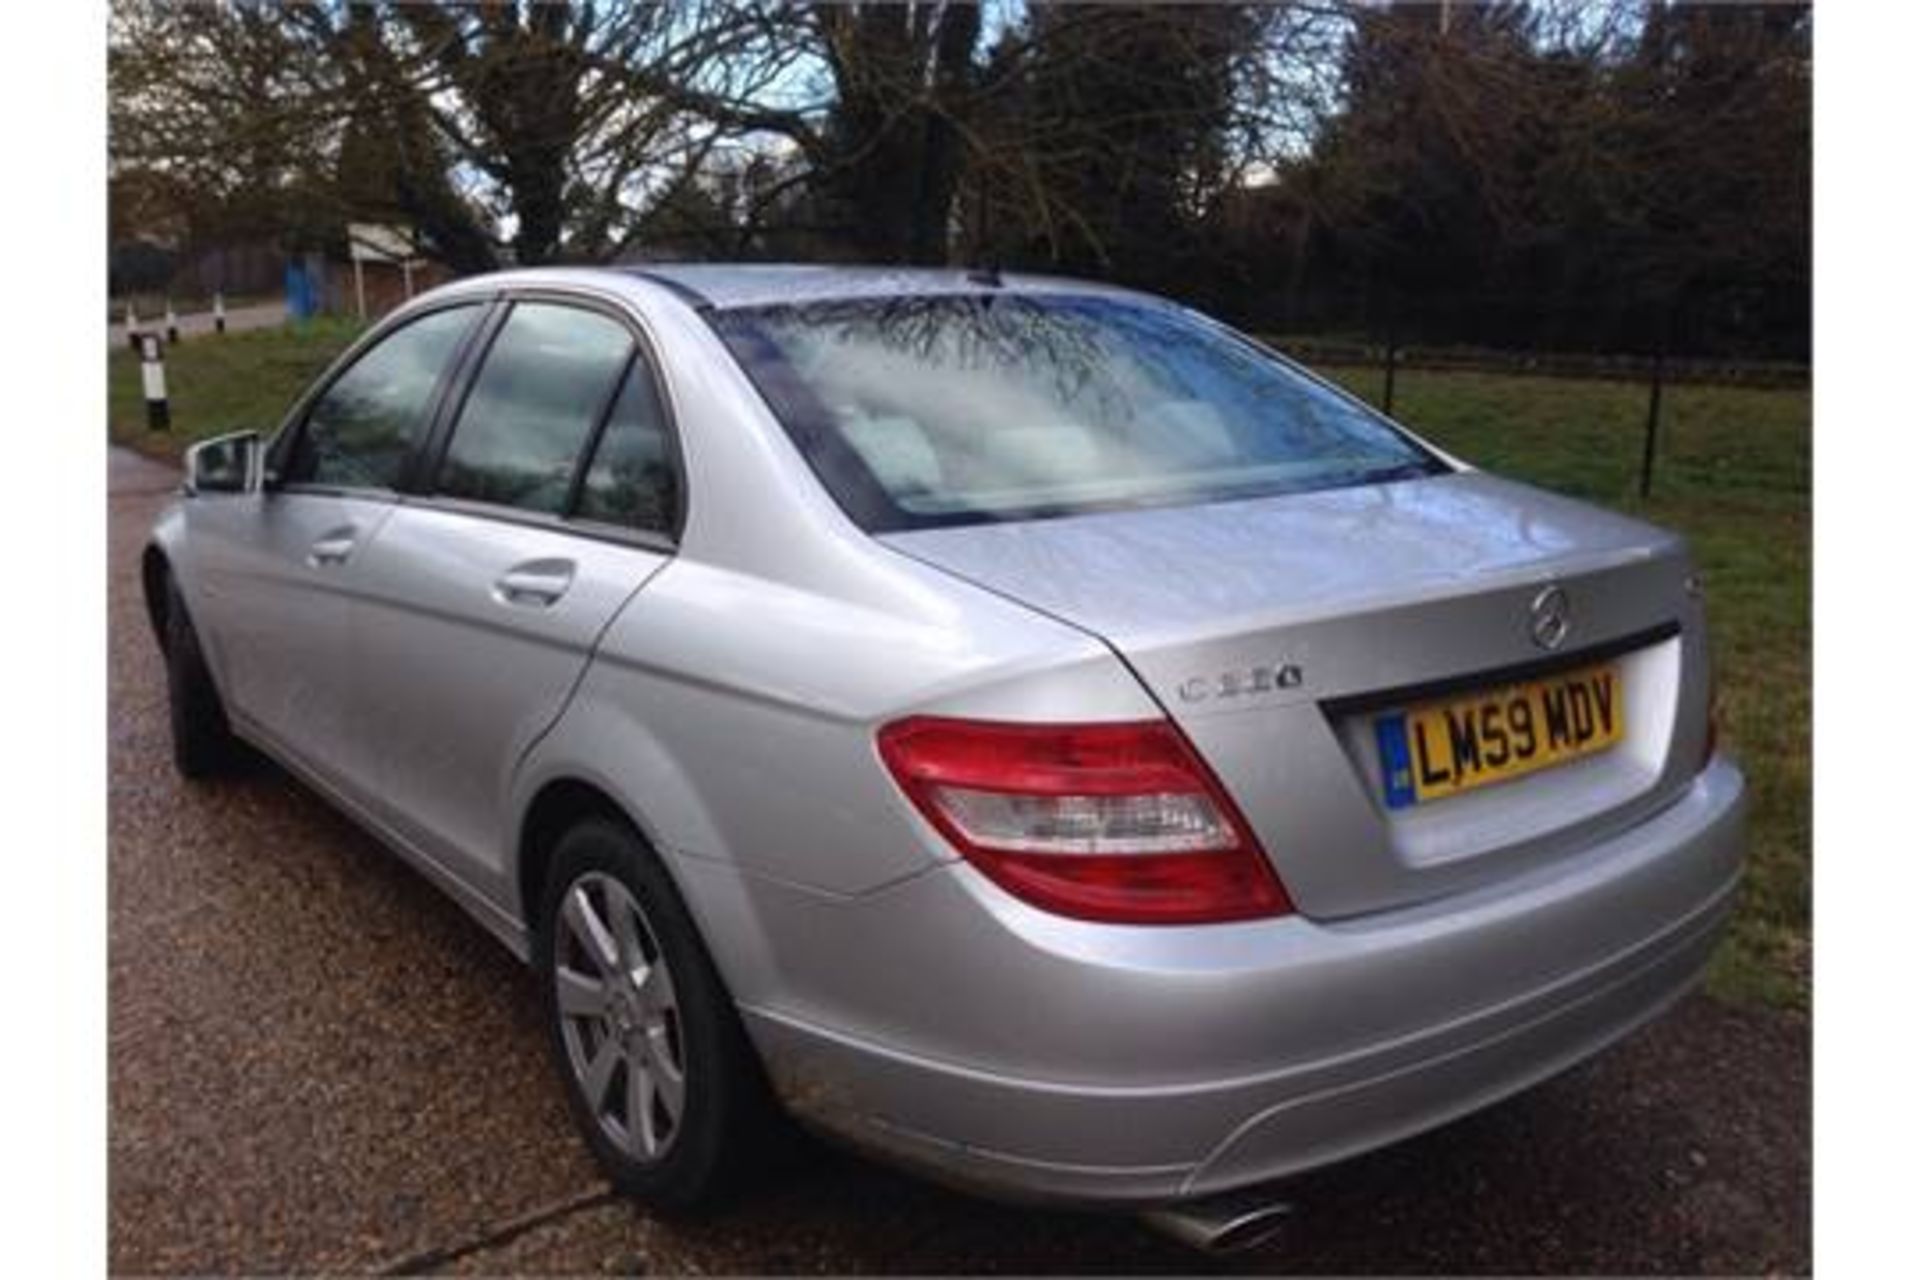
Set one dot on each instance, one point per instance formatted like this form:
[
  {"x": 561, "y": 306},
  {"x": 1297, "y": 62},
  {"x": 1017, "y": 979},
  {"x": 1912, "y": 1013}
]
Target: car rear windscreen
[{"x": 954, "y": 409}]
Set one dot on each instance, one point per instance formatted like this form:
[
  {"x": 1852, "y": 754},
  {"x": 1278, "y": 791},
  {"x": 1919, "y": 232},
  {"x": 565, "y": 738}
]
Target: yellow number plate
[{"x": 1455, "y": 744}]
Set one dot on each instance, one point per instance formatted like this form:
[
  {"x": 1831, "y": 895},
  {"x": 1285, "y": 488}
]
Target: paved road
[
  {"x": 318, "y": 1065},
  {"x": 196, "y": 324}
]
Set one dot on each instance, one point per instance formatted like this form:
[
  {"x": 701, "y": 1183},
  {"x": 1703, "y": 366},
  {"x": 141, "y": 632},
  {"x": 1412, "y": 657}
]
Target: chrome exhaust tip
[{"x": 1225, "y": 1223}]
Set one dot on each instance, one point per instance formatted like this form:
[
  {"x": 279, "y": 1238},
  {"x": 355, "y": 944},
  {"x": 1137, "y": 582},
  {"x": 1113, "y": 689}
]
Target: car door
[
  {"x": 550, "y": 500},
  {"x": 276, "y": 571}
]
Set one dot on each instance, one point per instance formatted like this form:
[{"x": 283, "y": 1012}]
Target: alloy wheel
[{"x": 619, "y": 1016}]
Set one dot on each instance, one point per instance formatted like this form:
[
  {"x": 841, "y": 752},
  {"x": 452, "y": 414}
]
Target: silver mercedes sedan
[{"x": 1021, "y": 727}]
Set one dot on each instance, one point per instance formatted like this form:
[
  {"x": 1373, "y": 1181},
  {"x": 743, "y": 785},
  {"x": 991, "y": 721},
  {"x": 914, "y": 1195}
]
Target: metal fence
[{"x": 1435, "y": 334}]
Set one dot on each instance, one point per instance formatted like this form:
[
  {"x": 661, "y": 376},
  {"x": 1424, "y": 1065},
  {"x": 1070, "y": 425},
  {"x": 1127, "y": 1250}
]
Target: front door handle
[
  {"x": 538, "y": 583},
  {"x": 332, "y": 549}
]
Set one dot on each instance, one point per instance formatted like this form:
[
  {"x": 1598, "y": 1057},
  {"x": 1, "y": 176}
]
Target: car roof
[
  {"x": 726, "y": 285},
  {"x": 723, "y": 285}
]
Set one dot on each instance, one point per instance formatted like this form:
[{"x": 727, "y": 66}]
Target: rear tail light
[{"x": 1113, "y": 822}]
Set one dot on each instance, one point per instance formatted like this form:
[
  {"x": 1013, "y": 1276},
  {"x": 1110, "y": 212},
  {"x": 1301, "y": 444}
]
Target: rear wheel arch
[{"x": 556, "y": 807}]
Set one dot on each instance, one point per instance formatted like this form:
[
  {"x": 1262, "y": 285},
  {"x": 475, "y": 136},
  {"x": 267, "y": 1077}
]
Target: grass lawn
[
  {"x": 223, "y": 383},
  {"x": 1733, "y": 473}
]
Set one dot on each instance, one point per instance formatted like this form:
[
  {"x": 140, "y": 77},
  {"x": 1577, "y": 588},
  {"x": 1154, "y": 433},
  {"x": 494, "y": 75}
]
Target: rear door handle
[
  {"x": 333, "y": 548},
  {"x": 538, "y": 583}
]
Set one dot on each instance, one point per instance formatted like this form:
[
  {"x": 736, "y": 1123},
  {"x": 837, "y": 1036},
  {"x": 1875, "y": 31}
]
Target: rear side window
[
  {"x": 632, "y": 481},
  {"x": 364, "y": 426},
  {"x": 545, "y": 382}
]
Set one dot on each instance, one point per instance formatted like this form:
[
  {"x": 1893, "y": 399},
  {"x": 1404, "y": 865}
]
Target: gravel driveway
[{"x": 319, "y": 1065}]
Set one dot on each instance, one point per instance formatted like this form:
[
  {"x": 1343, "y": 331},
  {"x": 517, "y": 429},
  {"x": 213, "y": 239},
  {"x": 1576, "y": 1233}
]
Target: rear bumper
[{"x": 1140, "y": 1066}]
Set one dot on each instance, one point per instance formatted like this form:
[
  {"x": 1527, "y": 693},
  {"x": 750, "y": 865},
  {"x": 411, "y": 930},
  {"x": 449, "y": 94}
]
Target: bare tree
[
  {"x": 1556, "y": 170},
  {"x": 459, "y": 118},
  {"x": 875, "y": 98}
]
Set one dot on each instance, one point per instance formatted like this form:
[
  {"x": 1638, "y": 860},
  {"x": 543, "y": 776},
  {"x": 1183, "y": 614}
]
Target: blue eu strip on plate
[{"x": 1396, "y": 763}]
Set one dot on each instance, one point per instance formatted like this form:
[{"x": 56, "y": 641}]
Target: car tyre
[
  {"x": 203, "y": 742},
  {"x": 678, "y": 1147}
]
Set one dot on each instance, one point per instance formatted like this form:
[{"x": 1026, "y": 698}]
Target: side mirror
[{"x": 226, "y": 464}]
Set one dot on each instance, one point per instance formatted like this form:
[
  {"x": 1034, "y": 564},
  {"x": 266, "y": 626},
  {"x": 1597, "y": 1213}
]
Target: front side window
[
  {"x": 545, "y": 381},
  {"x": 632, "y": 480},
  {"x": 365, "y": 425},
  {"x": 919, "y": 411}
]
